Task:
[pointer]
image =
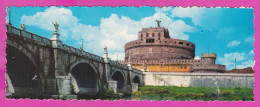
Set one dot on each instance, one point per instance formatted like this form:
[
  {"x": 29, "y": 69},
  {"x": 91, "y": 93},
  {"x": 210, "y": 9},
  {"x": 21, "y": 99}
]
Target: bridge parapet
[
  {"x": 44, "y": 41},
  {"x": 38, "y": 39},
  {"x": 83, "y": 53},
  {"x": 117, "y": 64}
]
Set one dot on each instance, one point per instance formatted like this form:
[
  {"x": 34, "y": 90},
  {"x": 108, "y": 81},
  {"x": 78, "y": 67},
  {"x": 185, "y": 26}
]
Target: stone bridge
[{"x": 41, "y": 67}]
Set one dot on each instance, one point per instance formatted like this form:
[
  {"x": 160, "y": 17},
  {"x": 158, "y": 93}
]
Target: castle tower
[{"x": 208, "y": 58}]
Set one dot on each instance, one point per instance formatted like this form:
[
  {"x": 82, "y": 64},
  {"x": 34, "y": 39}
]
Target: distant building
[
  {"x": 155, "y": 51},
  {"x": 245, "y": 70}
]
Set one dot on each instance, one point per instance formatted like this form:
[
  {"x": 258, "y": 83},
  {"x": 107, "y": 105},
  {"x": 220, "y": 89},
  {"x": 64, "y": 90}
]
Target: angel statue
[
  {"x": 158, "y": 23},
  {"x": 56, "y": 26},
  {"x": 23, "y": 27},
  {"x": 105, "y": 49}
]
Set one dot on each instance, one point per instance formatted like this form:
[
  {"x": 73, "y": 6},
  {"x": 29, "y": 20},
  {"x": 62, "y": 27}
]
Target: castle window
[
  {"x": 159, "y": 34},
  {"x": 181, "y": 43},
  {"x": 149, "y": 40},
  {"x": 175, "y": 42},
  {"x": 165, "y": 41},
  {"x": 141, "y": 35},
  {"x": 159, "y": 38},
  {"x": 181, "y": 67},
  {"x": 153, "y": 34},
  {"x": 188, "y": 44},
  {"x": 191, "y": 45},
  {"x": 184, "y": 67},
  {"x": 147, "y": 35}
]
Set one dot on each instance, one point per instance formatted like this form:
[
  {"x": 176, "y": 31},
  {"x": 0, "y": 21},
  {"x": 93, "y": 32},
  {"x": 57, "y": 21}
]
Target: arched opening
[
  {"x": 85, "y": 77},
  {"x": 136, "y": 80},
  {"x": 118, "y": 76},
  {"x": 23, "y": 74}
]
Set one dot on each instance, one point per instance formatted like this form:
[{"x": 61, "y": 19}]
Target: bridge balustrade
[
  {"x": 46, "y": 41},
  {"x": 66, "y": 47},
  {"x": 84, "y": 54},
  {"x": 15, "y": 30},
  {"x": 37, "y": 38},
  {"x": 40, "y": 39},
  {"x": 78, "y": 51},
  {"x": 26, "y": 34}
]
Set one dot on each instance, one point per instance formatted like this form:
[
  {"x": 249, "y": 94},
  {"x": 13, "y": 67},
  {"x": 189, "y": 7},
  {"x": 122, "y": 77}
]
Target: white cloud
[
  {"x": 251, "y": 52},
  {"x": 69, "y": 26},
  {"x": 112, "y": 32},
  {"x": 117, "y": 56},
  {"x": 229, "y": 59},
  {"x": 233, "y": 43},
  {"x": 195, "y": 13},
  {"x": 249, "y": 63},
  {"x": 249, "y": 39},
  {"x": 197, "y": 57},
  {"x": 241, "y": 60}
]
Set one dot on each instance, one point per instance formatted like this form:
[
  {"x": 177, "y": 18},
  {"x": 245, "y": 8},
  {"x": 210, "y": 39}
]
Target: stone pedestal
[
  {"x": 64, "y": 88},
  {"x": 112, "y": 85},
  {"x": 64, "y": 85},
  {"x": 134, "y": 87},
  {"x": 56, "y": 42}
]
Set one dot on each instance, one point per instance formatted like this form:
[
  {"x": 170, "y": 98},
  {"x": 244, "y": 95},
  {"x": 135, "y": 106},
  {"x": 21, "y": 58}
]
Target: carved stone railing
[
  {"x": 117, "y": 64},
  {"x": 38, "y": 39},
  {"x": 83, "y": 53}
]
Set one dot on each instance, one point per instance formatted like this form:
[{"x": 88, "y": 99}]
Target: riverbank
[{"x": 193, "y": 93}]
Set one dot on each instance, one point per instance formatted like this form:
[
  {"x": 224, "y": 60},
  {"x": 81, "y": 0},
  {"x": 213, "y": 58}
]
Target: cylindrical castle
[
  {"x": 156, "y": 44},
  {"x": 155, "y": 51}
]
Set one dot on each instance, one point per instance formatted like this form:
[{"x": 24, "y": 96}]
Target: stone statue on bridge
[
  {"x": 23, "y": 27},
  {"x": 56, "y": 26},
  {"x": 105, "y": 49}
]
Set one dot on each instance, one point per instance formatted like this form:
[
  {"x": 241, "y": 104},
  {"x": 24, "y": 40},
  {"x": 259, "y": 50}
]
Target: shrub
[
  {"x": 138, "y": 93},
  {"x": 210, "y": 95},
  {"x": 110, "y": 92},
  {"x": 180, "y": 96},
  {"x": 161, "y": 91},
  {"x": 226, "y": 93}
]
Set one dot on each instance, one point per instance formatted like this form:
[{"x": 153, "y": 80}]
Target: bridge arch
[
  {"x": 120, "y": 77},
  {"x": 25, "y": 75},
  {"x": 86, "y": 77},
  {"x": 137, "y": 80}
]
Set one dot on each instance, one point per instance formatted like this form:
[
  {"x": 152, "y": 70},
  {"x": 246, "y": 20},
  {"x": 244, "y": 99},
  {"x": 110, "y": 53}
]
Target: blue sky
[{"x": 229, "y": 31}]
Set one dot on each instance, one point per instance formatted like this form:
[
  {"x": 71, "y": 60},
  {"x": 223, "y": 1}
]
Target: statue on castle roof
[
  {"x": 158, "y": 23},
  {"x": 56, "y": 26}
]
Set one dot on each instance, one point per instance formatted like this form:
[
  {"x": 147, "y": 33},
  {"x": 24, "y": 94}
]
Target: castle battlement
[{"x": 174, "y": 61}]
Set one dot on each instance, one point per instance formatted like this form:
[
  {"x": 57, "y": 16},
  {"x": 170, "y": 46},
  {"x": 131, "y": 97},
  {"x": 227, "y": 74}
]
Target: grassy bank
[{"x": 192, "y": 93}]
